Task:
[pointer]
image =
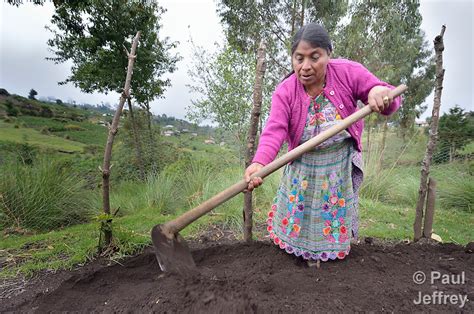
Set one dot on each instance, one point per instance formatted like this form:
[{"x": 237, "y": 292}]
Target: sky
[{"x": 23, "y": 51}]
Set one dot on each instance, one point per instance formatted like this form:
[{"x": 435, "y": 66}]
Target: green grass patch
[
  {"x": 8, "y": 132},
  {"x": 79, "y": 131}
]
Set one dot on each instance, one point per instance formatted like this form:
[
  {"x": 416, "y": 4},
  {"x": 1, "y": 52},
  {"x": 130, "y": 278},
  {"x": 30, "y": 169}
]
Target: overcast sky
[{"x": 23, "y": 50}]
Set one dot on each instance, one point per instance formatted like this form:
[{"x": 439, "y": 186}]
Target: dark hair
[{"x": 315, "y": 35}]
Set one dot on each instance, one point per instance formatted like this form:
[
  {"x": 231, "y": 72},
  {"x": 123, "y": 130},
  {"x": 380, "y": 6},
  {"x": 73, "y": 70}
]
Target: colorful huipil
[{"x": 314, "y": 214}]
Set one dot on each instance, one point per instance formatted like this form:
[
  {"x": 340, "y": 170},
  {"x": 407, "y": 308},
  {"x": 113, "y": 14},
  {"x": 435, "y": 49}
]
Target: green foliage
[
  {"x": 92, "y": 34},
  {"x": 41, "y": 197},
  {"x": 456, "y": 130},
  {"x": 246, "y": 23},
  {"x": 225, "y": 82},
  {"x": 386, "y": 37},
  {"x": 11, "y": 110}
]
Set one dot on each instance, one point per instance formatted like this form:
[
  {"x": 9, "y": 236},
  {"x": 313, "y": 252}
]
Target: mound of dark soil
[{"x": 237, "y": 277}]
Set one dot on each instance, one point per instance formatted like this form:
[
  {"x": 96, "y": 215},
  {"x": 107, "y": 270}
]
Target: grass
[
  {"x": 387, "y": 221},
  {"x": 83, "y": 132},
  {"x": 8, "y": 132},
  {"x": 42, "y": 196},
  {"x": 387, "y": 212}
]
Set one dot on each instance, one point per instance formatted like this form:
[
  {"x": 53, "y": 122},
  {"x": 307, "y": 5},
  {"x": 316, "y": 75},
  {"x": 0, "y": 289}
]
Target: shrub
[
  {"x": 46, "y": 112},
  {"x": 41, "y": 197},
  {"x": 11, "y": 110}
]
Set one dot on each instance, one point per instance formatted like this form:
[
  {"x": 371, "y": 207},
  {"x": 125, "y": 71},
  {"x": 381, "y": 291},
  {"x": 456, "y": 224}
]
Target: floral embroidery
[
  {"x": 333, "y": 209},
  {"x": 290, "y": 224},
  {"x": 320, "y": 112}
]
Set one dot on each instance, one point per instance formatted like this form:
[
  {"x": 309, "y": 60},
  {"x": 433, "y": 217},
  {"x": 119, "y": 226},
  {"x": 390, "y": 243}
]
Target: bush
[
  {"x": 11, "y": 110},
  {"x": 46, "y": 112},
  {"x": 41, "y": 197}
]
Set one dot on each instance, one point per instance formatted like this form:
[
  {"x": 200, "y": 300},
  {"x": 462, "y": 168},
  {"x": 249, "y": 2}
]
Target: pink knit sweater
[{"x": 346, "y": 82}]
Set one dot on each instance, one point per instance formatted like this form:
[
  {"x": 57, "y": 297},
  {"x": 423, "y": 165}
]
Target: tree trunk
[
  {"x": 137, "y": 143},
  {"x": 256, "y": 110},
  {"x": 293, "y": 19},
  {"x": 425, "y": 168},
  {"x": 303, "y": 4},
  {"x": 113, "y": 129}
]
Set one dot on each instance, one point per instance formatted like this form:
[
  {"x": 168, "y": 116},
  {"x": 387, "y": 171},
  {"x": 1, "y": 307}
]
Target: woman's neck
[{"x": 314, "y": 90}]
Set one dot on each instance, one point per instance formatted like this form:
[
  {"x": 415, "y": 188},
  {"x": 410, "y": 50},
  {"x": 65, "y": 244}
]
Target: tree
[
  {"x": 32, "y": 94},
  {"x": 248, "y": 22},
  {"x": 456, "y": 130},
  {"x": 93, "y": 34},
  {"x": 386, "y": 37},
  {"x": 225, "y": 82}
]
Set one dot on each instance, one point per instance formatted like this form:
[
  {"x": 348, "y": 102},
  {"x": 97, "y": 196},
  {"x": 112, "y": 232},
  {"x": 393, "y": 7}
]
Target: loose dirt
[{"x": 260, "y": 278}]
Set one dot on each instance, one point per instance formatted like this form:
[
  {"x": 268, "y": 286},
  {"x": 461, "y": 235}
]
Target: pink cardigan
[{"x": 346, "y": 82}]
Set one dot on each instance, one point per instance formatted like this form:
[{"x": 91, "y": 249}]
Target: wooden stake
[
  {"x": 425, "y": 168},
  {"x": 110, "y": 139},
  {"x": 252, "y": 134}
]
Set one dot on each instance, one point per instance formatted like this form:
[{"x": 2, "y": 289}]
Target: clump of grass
[
  {"x": 161, "y": 192},
  {"x": 42, "y": 196},
  {"x": 457, "y": 192}
]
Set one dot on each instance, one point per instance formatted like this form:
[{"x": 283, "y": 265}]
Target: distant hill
[{"x": 83, "y": 123}]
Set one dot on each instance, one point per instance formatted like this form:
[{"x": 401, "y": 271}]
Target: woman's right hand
[{"x": 255, "y": 182}]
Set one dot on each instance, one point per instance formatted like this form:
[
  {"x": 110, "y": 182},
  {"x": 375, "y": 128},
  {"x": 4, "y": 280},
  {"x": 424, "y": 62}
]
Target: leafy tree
[
  {"x": 32, "y": 94},
  {"x": 224, "y": 80},
  {"x": 455, "y": 131},
  {"x": 385, "y": 36},
  {"x": 93, "y": 33},
  {"x": 247, "y": 22}
]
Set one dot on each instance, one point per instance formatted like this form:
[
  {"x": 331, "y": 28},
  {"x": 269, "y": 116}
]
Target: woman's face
[{"x": 310, "y": 64}]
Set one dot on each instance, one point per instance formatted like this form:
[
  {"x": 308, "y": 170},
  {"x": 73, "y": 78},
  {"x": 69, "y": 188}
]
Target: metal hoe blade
[{"x": 173, "y": 254}]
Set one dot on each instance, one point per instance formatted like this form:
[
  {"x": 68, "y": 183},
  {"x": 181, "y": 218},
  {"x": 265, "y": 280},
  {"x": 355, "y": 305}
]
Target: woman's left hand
[{"x": 378, "y": 99}]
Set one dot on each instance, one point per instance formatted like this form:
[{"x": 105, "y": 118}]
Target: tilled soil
[{"x": 242, "y": 278}]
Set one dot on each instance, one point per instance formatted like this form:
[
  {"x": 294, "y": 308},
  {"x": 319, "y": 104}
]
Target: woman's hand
[
  {"x": 378, "y": 99},
  {"x": 255, "y": 182}
]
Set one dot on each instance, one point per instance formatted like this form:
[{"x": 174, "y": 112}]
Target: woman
[{"x": 315, "y": 211}]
